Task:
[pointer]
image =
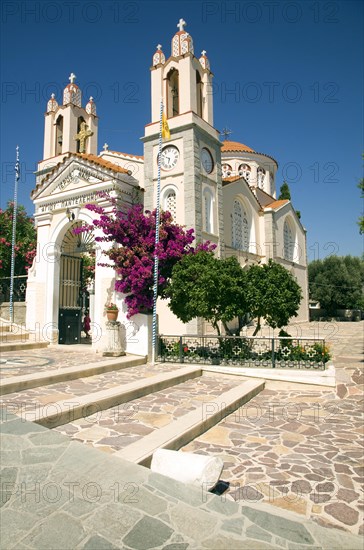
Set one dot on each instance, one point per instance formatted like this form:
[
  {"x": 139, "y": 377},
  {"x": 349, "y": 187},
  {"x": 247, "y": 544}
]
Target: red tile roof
[
  {"x": 235, "y": 146},
  {"x": 232, "y": 178},
  {"x": 102, "y": 162},
  {"x": 277, "y": 204}
]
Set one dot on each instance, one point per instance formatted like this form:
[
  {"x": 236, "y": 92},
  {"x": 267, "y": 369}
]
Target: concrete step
[
  {"x": 180, "y": 432},
  {"x": 19, "y": 345},
  {"x": 8, "y": 336},
  {"x": 35, "y": 380},
  {"x": 65, "y": 411}
]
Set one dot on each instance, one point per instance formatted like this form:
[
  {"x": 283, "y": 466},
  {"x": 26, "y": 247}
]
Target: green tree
[
  {"x": 337, "y": 282},
  {"x": 284, "y": 192},
  {"x": 25, "y": 241},
  {"x": 273, "y": 294},
  {"x": 205, "y": 286}
]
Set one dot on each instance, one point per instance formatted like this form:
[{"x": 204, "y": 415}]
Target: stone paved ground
[
  {"x": 115, "y": 428},
  {"x": 299, "y": 447},
  {"x": 28, "y": 399},
  {"x": 17, "y": 363},
  {"x": 60, "y": 495}
]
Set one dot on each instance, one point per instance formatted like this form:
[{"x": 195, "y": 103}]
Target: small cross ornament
[
  {"x": 181, "y": 24},
  {"x": 225, "y": 133},
  {"x": 72, "y": 77},
  {"x": 106, "y": 147}
]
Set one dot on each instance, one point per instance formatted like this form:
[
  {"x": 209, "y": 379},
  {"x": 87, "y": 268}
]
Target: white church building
[{"x": 225, "y": 190}]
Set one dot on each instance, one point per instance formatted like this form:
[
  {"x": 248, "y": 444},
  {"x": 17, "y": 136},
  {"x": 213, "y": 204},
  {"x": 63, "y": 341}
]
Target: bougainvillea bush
[
  {"x": 25, "y": 242},
  {"x": 132, "y": 234}
]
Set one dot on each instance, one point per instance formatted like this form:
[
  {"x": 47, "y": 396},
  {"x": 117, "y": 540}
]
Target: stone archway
[{"x": 77, "y": 254}]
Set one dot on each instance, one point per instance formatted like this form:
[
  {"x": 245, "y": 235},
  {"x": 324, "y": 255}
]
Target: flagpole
[
  {"x": 13, "y": 240},
  {"x": 155, "y": 289}
]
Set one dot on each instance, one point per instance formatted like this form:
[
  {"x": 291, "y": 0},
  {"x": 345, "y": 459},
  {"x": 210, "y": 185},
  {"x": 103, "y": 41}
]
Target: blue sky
[{"x": 288, "y": 83}]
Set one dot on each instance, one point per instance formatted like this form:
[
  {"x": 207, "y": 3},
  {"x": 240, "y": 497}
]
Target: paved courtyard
[{"x": 296, "y": 448}]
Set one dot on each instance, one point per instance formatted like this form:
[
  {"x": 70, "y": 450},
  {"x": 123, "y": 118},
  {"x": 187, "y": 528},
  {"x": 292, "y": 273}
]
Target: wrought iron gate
[{"x": 70, "y": 308}]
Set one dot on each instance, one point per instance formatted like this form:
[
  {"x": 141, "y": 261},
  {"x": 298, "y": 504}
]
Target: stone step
[
  {"x": 67, "y": 410},
  {"x": 113, "y": 429},
  {"x": 6, "y": 337},
  {"x": 35, "y": 380},
  {"x": 19, "y": 345},
  {"x": 180, "y": 432}
]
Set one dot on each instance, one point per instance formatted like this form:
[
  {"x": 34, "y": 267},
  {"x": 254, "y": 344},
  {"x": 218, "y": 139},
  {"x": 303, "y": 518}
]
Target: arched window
[
  {"x": 271, "y": 179},
  {"x": 59, "y": 135},
  {"x": 173, "y": 93},
  {"x": 199, "y": 93},
  {"x": 208, "y": 211},
  {"x": 226, "y": 170},
  {"x": 170, "y": 203},
  {"x": 260, "y": 176},
  {"x": 288, "y": 240},
  {"x": 240, "y": 227},
  {"x": 244, "y": 170}
]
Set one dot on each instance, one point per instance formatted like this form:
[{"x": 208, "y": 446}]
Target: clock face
[
  {"x": 207, "y": 160},
  {"x": 169, "y": 157}
]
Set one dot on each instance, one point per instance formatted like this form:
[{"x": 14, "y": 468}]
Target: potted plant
[{"x": 112, "y": 311}]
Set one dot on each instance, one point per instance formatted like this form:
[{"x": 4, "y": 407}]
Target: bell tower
[
  {"x": 191, "y": 187},
  {"x": 69, "y": 128}
]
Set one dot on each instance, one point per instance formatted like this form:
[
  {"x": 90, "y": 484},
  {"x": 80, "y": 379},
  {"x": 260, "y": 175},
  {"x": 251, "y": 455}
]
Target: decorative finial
[
  {"x": 91, "y": 98},
  {"x": 159, "y": 46},
  {"x": 106, "y": 147},
  {"x": 53, "y": 96},
  {"x": 181, "y": 24},
  {"x": 72, "y": 77},
  {"x": 204, "y": 52},
  {"x": 225, "y": 133}
]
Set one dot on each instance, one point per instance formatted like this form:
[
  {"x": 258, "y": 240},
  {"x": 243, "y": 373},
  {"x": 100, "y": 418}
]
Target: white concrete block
[{"x": 192, "y": 468}]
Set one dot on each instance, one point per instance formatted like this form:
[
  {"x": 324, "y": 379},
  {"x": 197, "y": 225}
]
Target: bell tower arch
[
  {"x": 68, "y": 128},
  {"x": 191, "y": 160}
]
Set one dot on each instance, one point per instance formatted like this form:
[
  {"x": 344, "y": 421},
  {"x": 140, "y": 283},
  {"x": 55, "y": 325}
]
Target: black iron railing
[
  {"x": 245, "y": 351},
  {"x": 20, "y": 287}
]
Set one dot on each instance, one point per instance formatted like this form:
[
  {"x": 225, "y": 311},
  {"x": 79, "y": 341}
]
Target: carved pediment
[{"x": 74, "y": 177}]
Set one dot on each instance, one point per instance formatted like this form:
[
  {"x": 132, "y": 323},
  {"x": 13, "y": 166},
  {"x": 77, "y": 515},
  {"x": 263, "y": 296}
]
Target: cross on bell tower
[
  {"x": 181, "y": 24},
  {"x": 82, "y": 136}
]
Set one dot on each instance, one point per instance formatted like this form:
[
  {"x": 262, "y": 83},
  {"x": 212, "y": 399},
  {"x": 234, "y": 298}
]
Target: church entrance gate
[{"x": 70, "y": 300}]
